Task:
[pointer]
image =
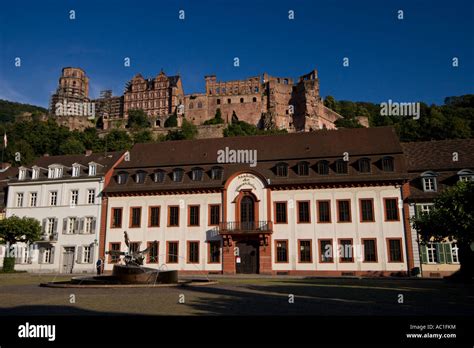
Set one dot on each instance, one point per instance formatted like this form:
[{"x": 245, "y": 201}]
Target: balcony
[
  {"x": 237, "y": 227},
  {"x": 49, "y": 237}
]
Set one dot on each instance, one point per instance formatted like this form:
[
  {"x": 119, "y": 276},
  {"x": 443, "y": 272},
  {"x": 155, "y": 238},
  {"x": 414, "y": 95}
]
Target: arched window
[
  {"x": 254, "y": 99},
  {"x": 302, "y": 168},
  {"x": 428, "y": 180},
  {"x": 159, "y": 176},
  {"x": 218, "y": 101},
  {"x": 199, "y": 105},
  {"x": 196, "y": 174},
  {"x": 241, "y": 100},
  {"x": 191, "y": 105},
  {"x": 364, "y": 165},
  {"x": 217, "y": 173},
  {"x": 228, "y": 101},
  {"x": 323, "y": 167},
  {"x": 178, "y": 175},
  {"x": 341, "y": 167},
  {"x": 281, "y": 169},
  {"x": 122, "y": 178},
  {"x": 140, "y": 177}
]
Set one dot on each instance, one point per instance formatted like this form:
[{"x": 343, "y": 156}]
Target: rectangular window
[
  {"x": 193, "y": 252},
  {"x": 47, "y": 255},
  {"x": 114, "y": 247},
  {"x": 395, "y": 250},
  {"x": 152, "y": 256},
  {"x": 134, "y": 247},
  {"x": 305, "y": 251},
  {"x": 324, "y": 211},
  {"x": 214, "y": 214},
  {"x": 135, "y": 216},
  {"x": 173, "y": 216},
  {"x": 91, "y": 196},
  {"x": 74, "y": 197},
  {"x": 370, "y": 250},
  {"x": 432, "y": 253},
  {"x": 281, "y": 250},
  {"x": 429, "y": 184},
  {"x": 154, "y": 217},
  {"x": 344, "y": 210},
  {"x": 346, "y": 252},
  {"x": 172, "y": 252},
  {"x": 303, "y": 212},
  {"x": 193, "y": 219},
  {"x": 50, "y": 228},
  {"x": 53, "y": 198},
  {"x": 19, "y": 199},
  {"x": 326, "y": 252},
  {"x": 366, "y": 210},
  {"x": 117, "y": 217},
  {"x": 88, "y": 224},
  {"x": 33, "y": 199},
  {"x": 280, "y": 213},
  {"x": 86, "y": 254},
  {"x": 72, "y": 225},
  {"x": 215, "y": 252},
  {"x": 391, "y": 209}
]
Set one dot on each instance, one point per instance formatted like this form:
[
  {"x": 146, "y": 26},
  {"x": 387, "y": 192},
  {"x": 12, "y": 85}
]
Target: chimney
[{"x": 88, "y": 152}]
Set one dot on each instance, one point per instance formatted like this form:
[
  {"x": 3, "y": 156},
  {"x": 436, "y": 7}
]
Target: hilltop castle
[{"x": 265, "y": 101}]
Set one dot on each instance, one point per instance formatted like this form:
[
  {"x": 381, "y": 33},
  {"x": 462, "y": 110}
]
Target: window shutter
[
  {"x": 93, "y": 225},
  {"x": 79, "y": 254},
  {"x": 76, "y": 226},
  {"x": 440, "y": 252},
  {"x": 447, "y": 252},
  {"x": 51, "y": 259},
  {"x": 55, "y": 225},
  {"x": 424, "y": 253},
  {"x": 81, "y": 225},
  {"x": 64, "y": 225},
  {"x": 91, "y": 257},
  {"x": 417, "y": 210},
  {"x": 44, "y": 225},
  {"x": 41, "y": 255}
]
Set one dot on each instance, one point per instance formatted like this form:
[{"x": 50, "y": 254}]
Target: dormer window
[
  {"x": 76, "y": 170},
  {"x": 364, "y": 165},
  {"x": 323, "y": 168},
  {"x": 282, "y": 169},
  {"x": 387, "y": 164},
  {"x": 140, "y": 177},
  {"x": 428, "y": 180},
  {"x": 122, "y": 178},
  {"x": 196, "y": 174},
  {"x": 22, "y": 174},
  {"x": 466, "y": 175},
  {"x": 217, "y": 173},
  {"x": 55, "y": 172},
  {"x": 92, "y": 169},
  {"x": 341, "y": 167},
  {"x": 35, "y": 173},
  {"x": 177, "y": 175},
  {"x": 159, "y": 176},
  {"x": 302, "y": 168}
]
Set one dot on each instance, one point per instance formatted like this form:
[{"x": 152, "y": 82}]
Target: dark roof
[
  {"x": 105, "y": 161},
  {"x": 318, "y": 144},
  {"x": 438, "y": 155},
  {"x": 330, "y": 145}
]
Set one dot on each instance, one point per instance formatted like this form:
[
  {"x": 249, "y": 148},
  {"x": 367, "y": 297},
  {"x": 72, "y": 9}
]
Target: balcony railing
[
  {"x": 49, "y": 237},
  {"x": 245, "y": 227}
]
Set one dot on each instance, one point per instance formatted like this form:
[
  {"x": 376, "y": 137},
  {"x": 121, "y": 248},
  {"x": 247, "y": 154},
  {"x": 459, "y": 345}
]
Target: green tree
[
  {"x": 216, "y": 120},
  {"x": 347, "y": 123},
  {"x": 72, "y": 146},
  {"x": 143, "y": 136},
  {"x": 330, "y": 103},
  {"x": 189, "y": 130},
  {"x": 117, "y": 140},
  {"x": 25, "y": 151},
  {"x": 15, "y": 230},
  {"x": 137, "y": 119},
  {"x": 171, "y": 121},
  {"x": 452, "y": 218}
]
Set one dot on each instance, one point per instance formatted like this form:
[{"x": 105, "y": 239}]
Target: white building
[
  {"x": 321, "y": 203},
  {"x": 64, "y": 193}
]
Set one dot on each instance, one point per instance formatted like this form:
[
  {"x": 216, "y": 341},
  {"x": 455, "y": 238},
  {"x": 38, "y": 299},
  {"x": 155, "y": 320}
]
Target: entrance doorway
[
  {"x": 249, "y": 257},
  {"x": 247, "y": 213},
  {"x": 68, "y": 259}
]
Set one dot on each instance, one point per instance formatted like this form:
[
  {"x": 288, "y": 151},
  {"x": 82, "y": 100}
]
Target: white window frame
[
  {"x": 86, "y": 251},
  {"x": 431, "y": 254},
  {"x": 74, "y": 197},
  {"x": 35, "y": 173},
  {"x": 22, "y": 174},
  {"x": 76, "y": 170},
  {"x": 92, "y": 169},
  {"x": 19, "y": 199},
  {"x": 88, "y": 224},
  {"x": 51, "y": 195},
  {"x": 47, "y": 255},
  {"x": 426, "y": 208},
  {"x": 33, "y": 199},
  {"x": 91, "y": 196},
  {"x": 50, "y": 226},
  {"x": 454, "y": 253},
  {"x": 71, "y": 224},
  {"x": 429, "y": 184}
]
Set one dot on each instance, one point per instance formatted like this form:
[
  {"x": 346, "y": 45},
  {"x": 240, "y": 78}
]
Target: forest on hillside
[{"x": 33, "y": 138}]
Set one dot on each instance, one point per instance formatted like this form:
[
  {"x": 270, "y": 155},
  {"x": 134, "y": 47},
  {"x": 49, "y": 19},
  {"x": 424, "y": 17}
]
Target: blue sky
[{"x": 402, "y": 60}]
